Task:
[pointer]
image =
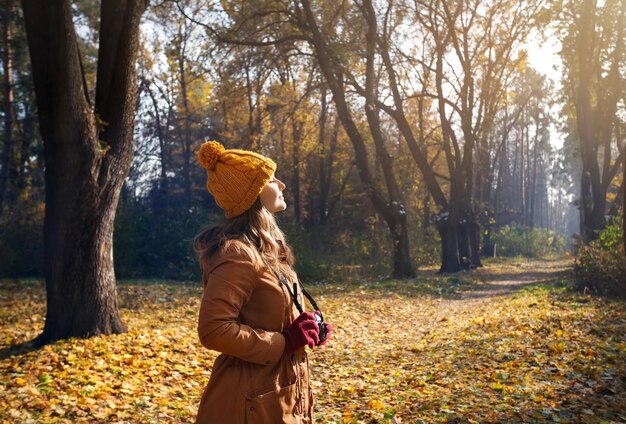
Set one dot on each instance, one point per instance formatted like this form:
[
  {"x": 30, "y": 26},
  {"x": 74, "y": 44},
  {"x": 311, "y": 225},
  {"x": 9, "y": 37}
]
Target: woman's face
[{"x": 272, "y": 195}]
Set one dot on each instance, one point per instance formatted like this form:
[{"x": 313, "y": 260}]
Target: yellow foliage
[{"x": 391, "y": 355}]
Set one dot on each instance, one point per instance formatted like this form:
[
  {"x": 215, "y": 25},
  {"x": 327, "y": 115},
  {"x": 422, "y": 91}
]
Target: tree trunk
[
  {"x": 402, "y": 263},
  {"x": 487, "y": 215},
  {"x": 395, "y": 214},
  {"x": 474, "y": 242},
  {"x": 162, "y": 143},
  {"x": 324, "y": 174},
  {"x": 522, "y": 190},
  {"x": 327, "y": 161},
  {"x": 532, "y": 189},
  {"x": 584, "y": 120},
  {"x": 463, "y": 240},
  {"x": 7, "y": 67},
  {"x": 250, "y": 142},
  {"x": 86, "y": 160},
  {"x": 447, "y": 228},
  {"x": 296, "y": 129},
  {"x": 28, "y": 136},
  {"x": 186, "y": 142},
  {"x": 460, "y": 196},
  {"x": 447, "y": 223},
  {"x": 484, "y": 177},
  {"x": 426, "y": 213}
]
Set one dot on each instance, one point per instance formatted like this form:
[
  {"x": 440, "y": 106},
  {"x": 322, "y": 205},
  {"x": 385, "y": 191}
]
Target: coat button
[{"x": 252, "y": 408}]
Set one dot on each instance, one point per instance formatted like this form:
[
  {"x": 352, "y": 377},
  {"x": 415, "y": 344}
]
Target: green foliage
[
  {"x": 156, "y": 242},
  {"x": 519, "y": 240},
  {"x": 425, "y": 245},
  {"x": 601, "y": 265},
  {"x": 311, "y": 262},
  {"x": 21, "y": 241},
  {"x": 151, "y": 243},
  {"x": 327, "y": 252},
  {"x": 611, "y": 237}
]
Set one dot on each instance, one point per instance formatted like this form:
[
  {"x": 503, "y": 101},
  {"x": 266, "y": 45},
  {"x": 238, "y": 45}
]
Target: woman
[{"x": 248, "y": 311}]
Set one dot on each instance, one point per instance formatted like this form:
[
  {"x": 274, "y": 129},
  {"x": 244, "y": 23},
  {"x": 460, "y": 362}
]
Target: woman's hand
[{"x": 303, "y": 331}]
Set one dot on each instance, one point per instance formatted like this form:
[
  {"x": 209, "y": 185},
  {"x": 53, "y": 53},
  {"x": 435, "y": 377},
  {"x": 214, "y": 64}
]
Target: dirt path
[
  {"x": 493, "y": 281},
  {"x": 474, "y": 351},
  {"x": 503, "y": 279}
]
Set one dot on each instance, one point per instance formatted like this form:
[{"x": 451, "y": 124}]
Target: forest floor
[{"x": 509, "y": 342}]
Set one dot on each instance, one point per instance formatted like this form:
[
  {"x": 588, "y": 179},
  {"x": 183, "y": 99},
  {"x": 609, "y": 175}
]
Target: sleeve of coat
[{"x": 227, "y": 289}]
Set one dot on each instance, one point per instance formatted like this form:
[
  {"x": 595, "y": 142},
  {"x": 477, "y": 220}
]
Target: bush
[
  {"x": 331, "y": 252},
  {"x": 158, "y": 244},
  {"x": 154, "y": 242},
  {"x": 425, "y": 245},
  {"x": 519, "y": 240},
  {"x": 21, "y": 241},
  {"x": 601, "y": 265}
]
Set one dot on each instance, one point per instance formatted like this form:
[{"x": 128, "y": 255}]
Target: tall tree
[
  {"x": 88, "y": 152},
  {"x": 594, "y": 54},
  {"x": 467, "y": 98},
  {"x": 392, "y": 209},
  {"x": 6, "y": 21},
  {"x": 282, "y": 24},
  {"x": 620, "y": 200}
]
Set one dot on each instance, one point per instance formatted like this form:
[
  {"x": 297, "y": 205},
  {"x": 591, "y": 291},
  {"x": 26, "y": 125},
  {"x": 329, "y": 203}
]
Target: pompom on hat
[{"x": 235, "y": 178}]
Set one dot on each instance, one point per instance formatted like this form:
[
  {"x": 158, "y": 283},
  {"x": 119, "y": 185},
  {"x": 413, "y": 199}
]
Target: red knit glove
[
  {"x": 303, "y": 331},
  {"x": 329, "y": 332}
]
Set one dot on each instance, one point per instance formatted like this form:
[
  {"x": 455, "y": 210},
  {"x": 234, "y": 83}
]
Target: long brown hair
[{"x": 262, "y": 240}]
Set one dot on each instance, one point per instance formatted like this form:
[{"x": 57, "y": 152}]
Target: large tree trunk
[
  {"x": 474, "y": 242},
  {"x": 87, "y": 159},
  {"x": 447, "y": 223},
  {"x": 402, "y": 263},
  {"x": 463, "y": 238},
  {"x": 447, "y": 228}
]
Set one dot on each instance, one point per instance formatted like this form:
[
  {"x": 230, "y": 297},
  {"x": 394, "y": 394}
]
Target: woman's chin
[{"x": 277, "y": 208}]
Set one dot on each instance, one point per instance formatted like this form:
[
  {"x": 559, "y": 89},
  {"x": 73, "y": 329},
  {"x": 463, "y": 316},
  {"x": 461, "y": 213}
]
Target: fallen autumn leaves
[{"x": 469, "y": 348}]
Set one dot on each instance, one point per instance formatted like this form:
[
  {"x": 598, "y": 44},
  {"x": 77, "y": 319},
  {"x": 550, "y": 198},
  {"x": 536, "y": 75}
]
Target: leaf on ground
[{"x": 485, "y": 347}]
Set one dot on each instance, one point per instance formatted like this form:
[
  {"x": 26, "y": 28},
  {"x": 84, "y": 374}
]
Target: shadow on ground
[{"x": 19, "y": 349}]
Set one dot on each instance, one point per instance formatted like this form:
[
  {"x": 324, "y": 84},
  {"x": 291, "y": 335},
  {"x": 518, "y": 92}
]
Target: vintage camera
[{"x": 319, "y": 320}]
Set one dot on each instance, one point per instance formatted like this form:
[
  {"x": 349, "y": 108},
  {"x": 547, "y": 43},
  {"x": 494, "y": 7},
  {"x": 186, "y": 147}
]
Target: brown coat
[{"x": 242, "y": 315}]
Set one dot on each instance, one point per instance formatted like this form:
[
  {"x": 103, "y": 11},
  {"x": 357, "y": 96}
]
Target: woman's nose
[{"x": 281, "y": 185}]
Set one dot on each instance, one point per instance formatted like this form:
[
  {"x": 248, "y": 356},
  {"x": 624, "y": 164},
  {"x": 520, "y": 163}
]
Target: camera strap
[{"x": 294, "y": 294}]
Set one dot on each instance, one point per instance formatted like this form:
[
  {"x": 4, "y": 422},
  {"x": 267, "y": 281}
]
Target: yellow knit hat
[{"x": 235, "y": 177}]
